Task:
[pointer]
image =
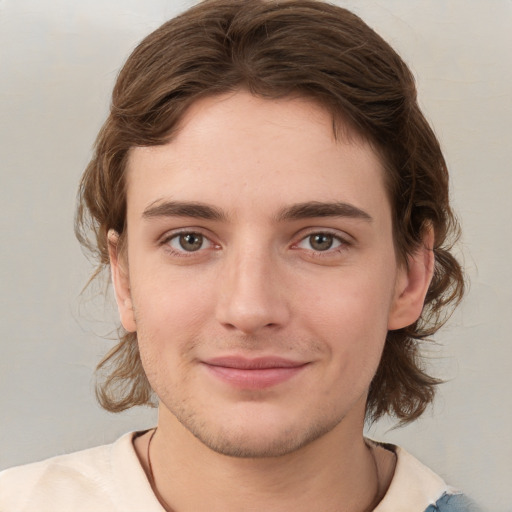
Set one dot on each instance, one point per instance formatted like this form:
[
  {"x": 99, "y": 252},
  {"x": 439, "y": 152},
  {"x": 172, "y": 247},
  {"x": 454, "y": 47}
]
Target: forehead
[{"x": 238, "y": 149}]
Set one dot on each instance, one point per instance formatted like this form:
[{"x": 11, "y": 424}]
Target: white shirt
[{"x": 110, "y": 478}]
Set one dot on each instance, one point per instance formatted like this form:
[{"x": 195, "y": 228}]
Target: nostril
[{"x": 248, "y": 299}]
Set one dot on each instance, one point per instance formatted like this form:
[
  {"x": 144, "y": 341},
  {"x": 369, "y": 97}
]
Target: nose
[{"x": 251, "y": 294}]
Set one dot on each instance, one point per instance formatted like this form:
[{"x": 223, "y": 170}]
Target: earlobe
[
  {"x": 412, "y": 284},
  {"x": 121, "y": 283}
]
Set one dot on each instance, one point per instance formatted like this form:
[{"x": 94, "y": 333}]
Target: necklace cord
[
  {"x": 169, "y": 509},
  {"x": 152, "y": 478}
]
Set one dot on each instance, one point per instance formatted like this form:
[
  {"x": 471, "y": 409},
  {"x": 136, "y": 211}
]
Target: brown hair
[{"x": 276, "y": 49}]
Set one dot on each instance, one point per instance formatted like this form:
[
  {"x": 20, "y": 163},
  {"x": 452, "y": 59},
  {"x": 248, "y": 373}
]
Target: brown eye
[
  {"x": 191, "y": 241},
  {"x": 188, "y": 242},
  {"x": 321, "y": 241}
]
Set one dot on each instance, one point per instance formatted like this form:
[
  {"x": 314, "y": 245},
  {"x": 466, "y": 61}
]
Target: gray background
[{"x": 58, "y": 62}]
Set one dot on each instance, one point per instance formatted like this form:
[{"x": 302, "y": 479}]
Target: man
[{"x": 273, "y": 208}]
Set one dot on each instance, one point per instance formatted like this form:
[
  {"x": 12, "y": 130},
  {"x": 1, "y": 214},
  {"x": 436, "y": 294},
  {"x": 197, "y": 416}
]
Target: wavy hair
[{"x": 276, "y": 49}]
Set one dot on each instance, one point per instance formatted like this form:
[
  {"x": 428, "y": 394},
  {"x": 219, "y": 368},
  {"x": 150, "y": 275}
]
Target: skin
[{"x": 260, "y": 285}]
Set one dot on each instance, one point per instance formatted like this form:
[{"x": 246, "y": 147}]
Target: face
[{"x": 260, "y": 273}]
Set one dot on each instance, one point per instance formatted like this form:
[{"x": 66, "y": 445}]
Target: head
[{"x": 329, "y": 67}]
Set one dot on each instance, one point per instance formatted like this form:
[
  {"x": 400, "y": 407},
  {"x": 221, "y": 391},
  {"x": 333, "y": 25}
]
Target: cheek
[
  {"x": 353, "y": 298},
  {"x": 349, "y": 312},
  {"x": 170, "y": 314},
  {"x": 168, "y": 331},
  {"x": 169, "y": 299}
]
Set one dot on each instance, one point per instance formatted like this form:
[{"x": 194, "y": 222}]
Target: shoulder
[
  {"x": 416, "y": 488},
  {"x": 453, "y": 503},
  {"x": 66, "y": 477},
  {"x": 94, "y": 479}
]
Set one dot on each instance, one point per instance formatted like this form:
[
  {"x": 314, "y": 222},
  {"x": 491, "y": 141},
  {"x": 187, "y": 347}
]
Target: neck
[{"x": 337, "y": 472}]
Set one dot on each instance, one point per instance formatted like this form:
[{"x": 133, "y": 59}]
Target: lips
[{"x": 258, "y": 373}]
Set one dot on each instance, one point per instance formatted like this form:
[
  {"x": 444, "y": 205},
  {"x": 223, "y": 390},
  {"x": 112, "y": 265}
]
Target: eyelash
[
  {"x": 166, "y": 240},
  {"x": 343, "y": 243}
]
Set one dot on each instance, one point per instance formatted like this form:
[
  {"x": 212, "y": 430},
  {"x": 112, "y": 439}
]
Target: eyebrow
[
  {"x": 297, "y": 211},
  {"x": 318, "y": 209},
  {"x": 183, "y": 209}
]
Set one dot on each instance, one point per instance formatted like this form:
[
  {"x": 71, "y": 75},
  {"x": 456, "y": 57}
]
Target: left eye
[
  {"x": 320, "y": 242},
  {"x": 189, "y": 242}
]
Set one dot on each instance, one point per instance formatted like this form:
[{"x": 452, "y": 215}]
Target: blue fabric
[{"x": 453, "y": 503}]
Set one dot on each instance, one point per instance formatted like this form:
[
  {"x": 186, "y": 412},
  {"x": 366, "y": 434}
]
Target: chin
[
  {"x": 255, "y": 447},
  {"x": 257, "y": 438}
]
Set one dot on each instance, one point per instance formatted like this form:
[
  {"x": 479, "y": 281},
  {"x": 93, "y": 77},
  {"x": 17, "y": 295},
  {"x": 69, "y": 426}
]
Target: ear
[
  {"x": 412, "y": 284},
  {"x": 121, "y": 282}
]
